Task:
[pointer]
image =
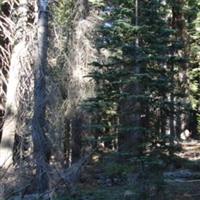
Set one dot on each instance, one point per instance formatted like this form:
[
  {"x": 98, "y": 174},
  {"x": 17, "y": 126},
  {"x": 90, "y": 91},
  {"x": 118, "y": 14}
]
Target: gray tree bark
[
  {"x": 19, "y": 54},
  {"x": 40, "y": 142}
]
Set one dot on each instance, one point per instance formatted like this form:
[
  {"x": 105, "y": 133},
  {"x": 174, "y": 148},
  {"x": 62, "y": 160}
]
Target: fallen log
[{"x": 182, "y": 174}]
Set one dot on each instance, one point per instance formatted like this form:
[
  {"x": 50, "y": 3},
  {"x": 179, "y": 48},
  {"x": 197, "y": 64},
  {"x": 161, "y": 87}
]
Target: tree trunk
[
  {"x": 130, "y": 136},
  {"x": 137, "y": 90},
  {"x": 18, "y": 57},
  {"x": 180, "y": 81},
  {"x": 40, "y": 142},
  {"x": 77, "y": 123}
]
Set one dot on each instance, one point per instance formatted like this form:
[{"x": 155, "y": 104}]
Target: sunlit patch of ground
[
  {"x": 184, "y": 183},
  {"x": 190, "y": 150}
]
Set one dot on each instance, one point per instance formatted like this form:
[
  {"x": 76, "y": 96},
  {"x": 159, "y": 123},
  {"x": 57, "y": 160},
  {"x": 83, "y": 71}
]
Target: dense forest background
[{"x": 99, "y": 99}]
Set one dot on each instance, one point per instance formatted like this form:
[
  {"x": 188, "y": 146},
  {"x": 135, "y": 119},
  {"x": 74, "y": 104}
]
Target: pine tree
[{"x": 193, "y": 19}]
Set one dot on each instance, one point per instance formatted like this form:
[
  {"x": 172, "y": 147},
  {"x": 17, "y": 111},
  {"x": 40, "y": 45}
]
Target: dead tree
[
  {"x": 19, "y": 55},
  {"x": 40, "y": 142}
]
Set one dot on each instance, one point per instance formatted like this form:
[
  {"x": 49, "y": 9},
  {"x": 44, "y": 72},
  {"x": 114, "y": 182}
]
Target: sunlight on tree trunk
[{"x": 12, "y": 102}]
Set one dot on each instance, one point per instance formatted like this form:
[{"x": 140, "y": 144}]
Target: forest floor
[
  {"x": 184, "y": 181},
  {"x": 180, "y": 180},
  {"x": 167, "y": 178}
]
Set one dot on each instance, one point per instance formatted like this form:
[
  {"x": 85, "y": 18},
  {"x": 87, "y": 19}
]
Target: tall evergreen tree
[{"x": 193, "y": 19}]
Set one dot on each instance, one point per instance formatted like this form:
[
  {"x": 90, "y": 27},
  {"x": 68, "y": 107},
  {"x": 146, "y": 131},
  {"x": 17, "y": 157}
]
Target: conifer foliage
[
  {"x": 118, "y": 78},
  {"x": 142, "y": 83}
]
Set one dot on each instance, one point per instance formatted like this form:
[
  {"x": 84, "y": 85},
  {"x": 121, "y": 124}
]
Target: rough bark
[
  {"x": 19, "y": 53},
  {"x": 40, "y": 142}
]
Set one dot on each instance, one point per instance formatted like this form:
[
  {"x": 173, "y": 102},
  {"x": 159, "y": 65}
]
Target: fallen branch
[
  {"x": 182, "y": 181},
  {"x": 71, "y": 175},
  {"x": 182, "y": 174},
  {"x": 20, "y": 190}
]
